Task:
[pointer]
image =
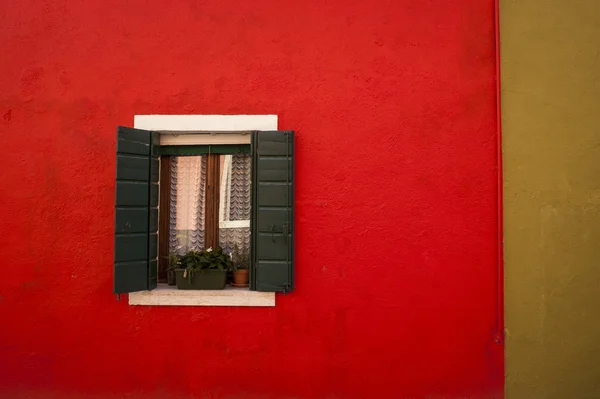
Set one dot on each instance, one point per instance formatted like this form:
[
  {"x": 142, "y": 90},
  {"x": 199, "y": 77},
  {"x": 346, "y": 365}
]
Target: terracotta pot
[{"x": 240, "y": 278}]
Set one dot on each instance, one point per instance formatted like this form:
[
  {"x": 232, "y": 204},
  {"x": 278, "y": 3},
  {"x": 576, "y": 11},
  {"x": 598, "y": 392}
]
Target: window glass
[{"x": 234, "y": 204}]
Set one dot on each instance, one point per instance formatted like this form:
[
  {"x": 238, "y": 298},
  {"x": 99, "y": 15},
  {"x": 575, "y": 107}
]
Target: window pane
[
  {"x": 234, "y": 204},
  {"x": 188, "y": 185}
]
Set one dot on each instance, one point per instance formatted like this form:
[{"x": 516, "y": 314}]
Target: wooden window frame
[
  {"x": 211, "y": 201},
  {"x": 211, "y": 214},
  {"x": 164, "y": 207},
  {"x": 212, "y": 197}
]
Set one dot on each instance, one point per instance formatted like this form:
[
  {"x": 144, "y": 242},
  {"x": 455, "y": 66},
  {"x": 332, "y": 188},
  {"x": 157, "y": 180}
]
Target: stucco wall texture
[
  {"x": 551, "y": 118},
  {"x": 393, "y": 104}
]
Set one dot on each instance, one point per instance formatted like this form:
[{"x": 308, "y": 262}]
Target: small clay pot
[{"x": 240, "y": 278}]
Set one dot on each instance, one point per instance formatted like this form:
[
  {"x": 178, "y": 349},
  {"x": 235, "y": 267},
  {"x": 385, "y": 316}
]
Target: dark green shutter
[
  {"x": 272, "y": 222},
  {"x": 136, "y": 210}
]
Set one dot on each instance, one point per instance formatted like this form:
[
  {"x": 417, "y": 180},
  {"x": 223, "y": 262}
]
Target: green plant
[
  {"x": 240, "y": 258},
  {"x": 173, "y": 261},
  {"x": 208, "y": 259}
]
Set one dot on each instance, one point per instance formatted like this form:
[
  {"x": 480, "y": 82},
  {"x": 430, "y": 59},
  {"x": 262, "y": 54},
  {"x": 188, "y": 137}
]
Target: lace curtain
[
  {"x": 187, "y": 212},
  {"x": 234, "y": 209},
  {"x": 188, "y": 187}
]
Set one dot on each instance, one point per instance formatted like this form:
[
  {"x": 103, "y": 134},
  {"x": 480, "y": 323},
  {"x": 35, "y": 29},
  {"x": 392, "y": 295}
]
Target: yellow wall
[{"x": 551, "y": 121}]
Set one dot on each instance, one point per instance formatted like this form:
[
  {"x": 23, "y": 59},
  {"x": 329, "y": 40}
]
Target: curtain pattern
[
  {"x": 236, "y": 202},
  {"x": 188, "y": 189},
  {"x": 188, "y": 186}
]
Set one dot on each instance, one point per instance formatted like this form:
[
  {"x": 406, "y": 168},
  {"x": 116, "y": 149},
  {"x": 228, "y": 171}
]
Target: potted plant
[
  {"x": 241, "y": 265},
  {"x": 203, "y": 270},
  {"x": 173, "y": 264}
]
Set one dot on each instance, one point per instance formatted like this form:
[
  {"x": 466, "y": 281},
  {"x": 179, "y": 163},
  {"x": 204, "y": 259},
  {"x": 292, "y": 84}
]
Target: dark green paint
[
  {"x": 152, "y": 274},
  {"x": 131, "y": 220},
  {"x": 131, "y": 247},
  {"x": 272, "y": 216},
  {"x": 154, "y": 190},
  {"x": 275, "y": 143},
  {"x": 271, "y": 274},
  {"x": 127, "y": 276},
  {"x": 273, "y": 246},
  {"x": 132, "y": 147},
  {"x": 136, "y": 210},
  {"x": 132, "y": 167},
  {"x": 132, "y": 193},
  {"x": 273, "y": 194},
  {"x": 272, "y": 225},
  {"x": 153, "y": 211},
  {"x": 204, "y": 280},
  {"x": 183, "y": 150},
  {"x": 274, "y": 169},
  {"x": 154, "y": 169}
]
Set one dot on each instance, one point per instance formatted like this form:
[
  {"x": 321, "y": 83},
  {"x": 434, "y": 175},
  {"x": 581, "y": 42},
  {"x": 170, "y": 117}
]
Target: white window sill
[{"x": 166, "y": 295}]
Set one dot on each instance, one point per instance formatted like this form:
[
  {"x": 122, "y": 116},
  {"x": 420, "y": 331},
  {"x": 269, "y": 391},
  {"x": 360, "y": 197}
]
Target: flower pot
[
  {"x": 171, "y": 278},
  {"x": 201, "y": 280},
  {"x": 240, "y": 278}
]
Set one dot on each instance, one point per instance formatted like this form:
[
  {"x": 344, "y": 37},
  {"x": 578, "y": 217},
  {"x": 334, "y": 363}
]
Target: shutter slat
[
  {"x": 132, "y": 193},
  {"x": 274, "y": 143},
  {"x": 136, "y": 212},
  {"x": 272, "y": 211},
  {"x": 273, "y": 169},
  {"x": 130, "y": 167},
  {"x": 273, "y": 194},
  {"x": 138, "y": 135},
  {"x": 131, "y": 220},
  {"x": 130, "y": 247},
  {"x": 272, "y": 217},
  {"x": 271, "y": 274},
  {"x": 132, "y": 147},
  {"x": 127, "y": 277},
  {"x": 272, "y": 246}
]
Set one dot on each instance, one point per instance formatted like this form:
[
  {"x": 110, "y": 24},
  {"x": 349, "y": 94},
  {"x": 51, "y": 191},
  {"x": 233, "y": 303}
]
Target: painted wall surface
[
  {"x": 550, "y": 115},
  {"x": 393, "y": 103}
]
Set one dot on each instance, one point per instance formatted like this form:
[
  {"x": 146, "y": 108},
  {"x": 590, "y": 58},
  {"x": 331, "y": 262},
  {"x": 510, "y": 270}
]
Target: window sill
[{"x": 165, "y": 295}]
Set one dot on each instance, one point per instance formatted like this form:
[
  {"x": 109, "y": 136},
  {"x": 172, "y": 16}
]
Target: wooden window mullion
[
  {"x": 164, "y": 217},
  {"x": 212, "y": 201}
]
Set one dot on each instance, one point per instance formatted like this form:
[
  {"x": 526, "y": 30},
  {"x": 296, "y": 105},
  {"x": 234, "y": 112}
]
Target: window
[
  {"x": 205, "y": 195},
  {"x": 236, "y": 193}
]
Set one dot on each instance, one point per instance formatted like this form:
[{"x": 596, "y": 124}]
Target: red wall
[{"x": 393, "y": 102}]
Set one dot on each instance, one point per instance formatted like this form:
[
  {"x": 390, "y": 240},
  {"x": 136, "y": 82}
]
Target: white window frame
[{"x": 198, "y": 130}]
